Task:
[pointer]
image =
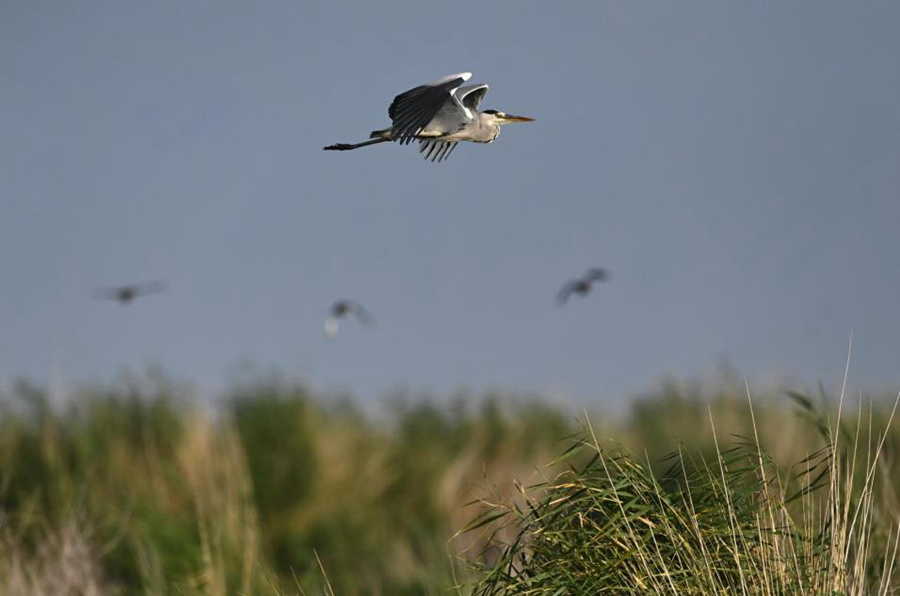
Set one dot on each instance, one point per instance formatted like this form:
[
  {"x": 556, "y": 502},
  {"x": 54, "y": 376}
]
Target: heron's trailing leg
[
  {"x": 378, "y": 136},
  {"x": 349, "y": 146}
]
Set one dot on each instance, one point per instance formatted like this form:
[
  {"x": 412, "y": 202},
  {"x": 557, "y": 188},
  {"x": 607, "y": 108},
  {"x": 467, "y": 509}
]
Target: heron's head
[{"x": 503, "y": 118}]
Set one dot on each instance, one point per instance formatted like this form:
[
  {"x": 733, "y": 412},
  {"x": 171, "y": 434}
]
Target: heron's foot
[{"x": 339, "y": 147}]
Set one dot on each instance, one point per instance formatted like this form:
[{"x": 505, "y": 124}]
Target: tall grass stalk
[{"x": 733, "y": 524}]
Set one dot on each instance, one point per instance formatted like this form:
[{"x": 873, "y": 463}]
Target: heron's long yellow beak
[{"x": 511, "y": 118}]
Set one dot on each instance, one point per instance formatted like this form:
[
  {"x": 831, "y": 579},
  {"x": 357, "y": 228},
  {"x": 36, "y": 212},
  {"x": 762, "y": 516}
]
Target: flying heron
[
  {"x": 341, "y": 310},
  {"x": 581, "y": 286},
  {"x": 439, "y": 115},
  {"x": 126, "y": 294}
]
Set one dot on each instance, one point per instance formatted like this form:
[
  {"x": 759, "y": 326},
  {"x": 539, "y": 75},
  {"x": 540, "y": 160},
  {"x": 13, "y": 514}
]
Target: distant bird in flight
[
  {"x": 581, "y": 286},
  {"x": 439, "y": 115},
  {"x": 126, "y": 294},
  {"x": 340, "y": 310}
]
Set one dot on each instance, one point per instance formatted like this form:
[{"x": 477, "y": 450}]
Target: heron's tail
[{"x": 381, "y": 134}]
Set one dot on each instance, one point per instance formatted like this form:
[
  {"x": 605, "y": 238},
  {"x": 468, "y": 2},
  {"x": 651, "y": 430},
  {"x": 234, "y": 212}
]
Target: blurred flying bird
[
  {"x": 581, "y": 286},
  {"x": 126, "y": 294},
  {"x": 341, "y": 310},
  {"x": 439, "y": 115}
]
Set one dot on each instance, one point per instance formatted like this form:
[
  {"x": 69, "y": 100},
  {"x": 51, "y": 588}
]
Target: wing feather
[
  {"x": 151, "y": 287},
  {"x": 412, "y": 110},
  {"x": 364, "y": 316},
  {"x": 470, "y": 97},
  {"x": 447, "y": 149},
  {"x": 565, "y": 292},
  {"x": 443, "y": 151},
  {"x": 434, "y": 150},
  {"x": 450, "y": 150},
  {"x": 596, "y": 274}
]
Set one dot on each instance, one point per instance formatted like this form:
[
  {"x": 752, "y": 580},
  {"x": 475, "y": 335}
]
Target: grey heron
[
  {"x": 581, "y": 286},
  {"x": 341, "y": 310},
  {"x": 439, "y": 115},
  {"x": 126, "y": 294}
]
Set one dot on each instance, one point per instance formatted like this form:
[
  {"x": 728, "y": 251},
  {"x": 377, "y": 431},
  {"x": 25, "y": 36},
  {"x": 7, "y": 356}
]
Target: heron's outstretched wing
[
  {"x": 436, "y": 150},
  {"x": 135, "y": 290},
  {"x": 362, "y": 314},
  {"x": 596, "y": 274},
  {"x": 566, "y": 291},
  {"x": 151, "y": 287},
  {"x": 471, "y": 96},
  {"x": 411, "y": 111},
  {"x": 106, "y": 294}
]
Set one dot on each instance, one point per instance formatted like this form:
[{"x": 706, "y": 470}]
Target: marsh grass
[
  {"x": 735, "y": 523},
  {"x": 143, "y": 489},
  {"x": 137, "y": 487}
]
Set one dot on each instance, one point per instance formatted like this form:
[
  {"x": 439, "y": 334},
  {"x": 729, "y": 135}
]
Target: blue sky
[{"x": 735, "y": 166}]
